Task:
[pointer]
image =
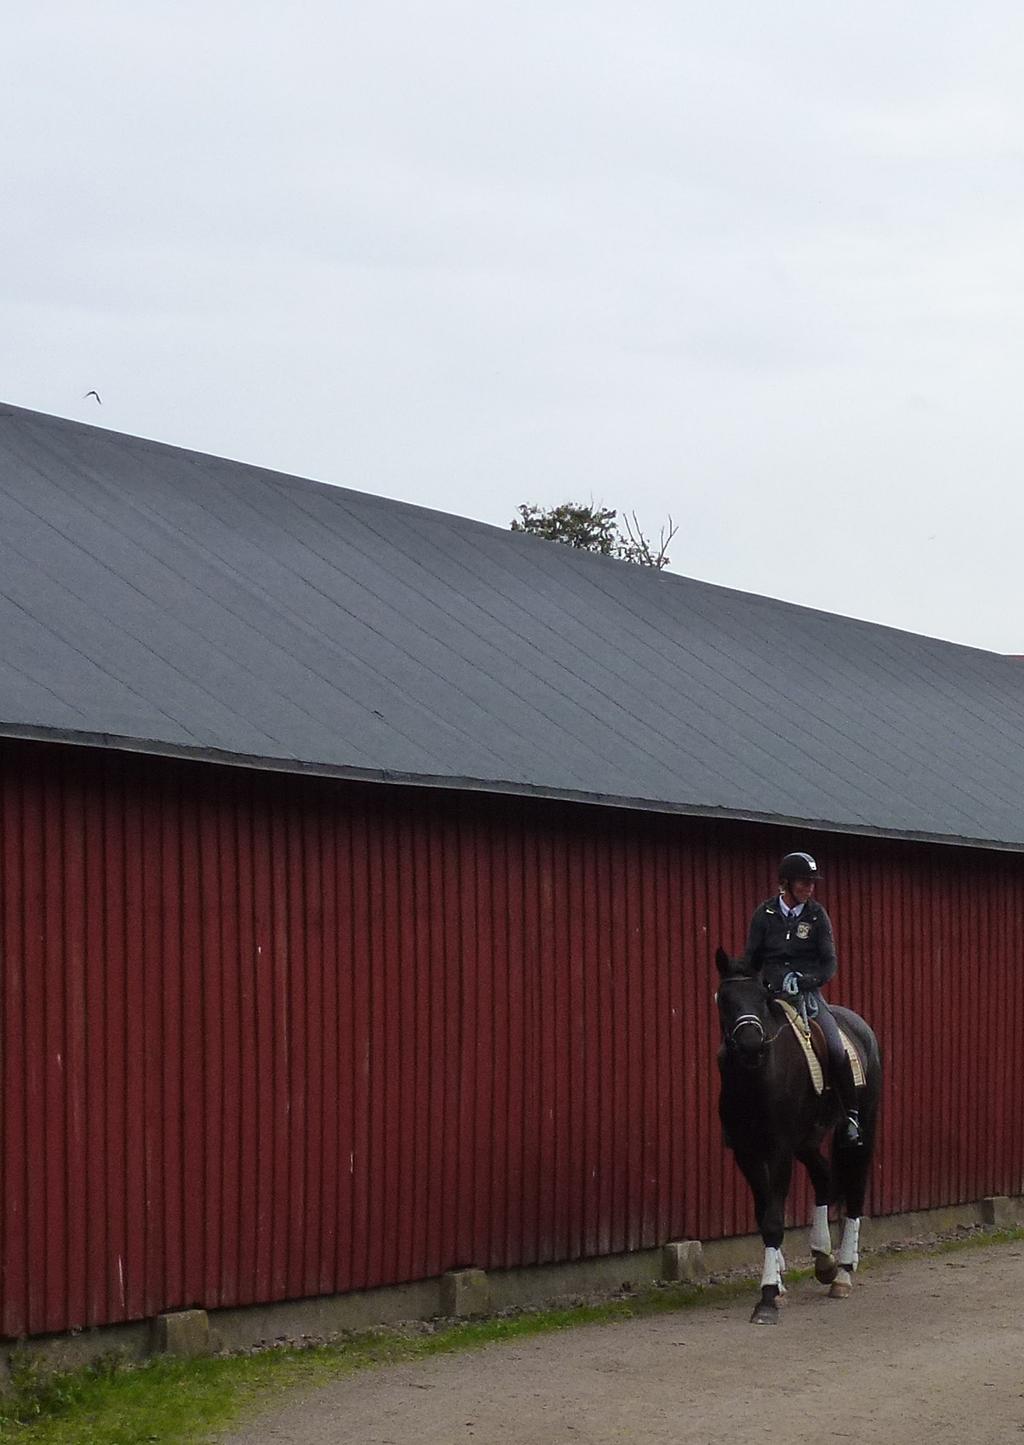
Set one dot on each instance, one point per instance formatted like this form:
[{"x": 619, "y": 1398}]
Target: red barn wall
[{"x": 266, "y": 1036}]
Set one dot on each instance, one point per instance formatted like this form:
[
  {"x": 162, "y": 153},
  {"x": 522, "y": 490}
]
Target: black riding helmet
[{"x": 798, "y": 865}]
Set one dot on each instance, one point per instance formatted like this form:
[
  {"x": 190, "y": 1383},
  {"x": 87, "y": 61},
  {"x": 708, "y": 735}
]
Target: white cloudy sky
[{"x": 759, "y": 266}]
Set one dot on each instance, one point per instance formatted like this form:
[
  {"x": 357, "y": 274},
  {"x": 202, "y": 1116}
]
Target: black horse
[{"x": 772, "y": 1114}]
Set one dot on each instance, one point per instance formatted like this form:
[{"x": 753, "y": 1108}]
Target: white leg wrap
[
  {"x": 821, "y": 1238},
  {"x": 849, "y": 1255},
  {"x": 774, "y": 1264}
]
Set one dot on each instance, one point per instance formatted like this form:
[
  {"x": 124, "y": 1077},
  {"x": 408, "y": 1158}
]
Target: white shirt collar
[{"x": 790, "y": 912}]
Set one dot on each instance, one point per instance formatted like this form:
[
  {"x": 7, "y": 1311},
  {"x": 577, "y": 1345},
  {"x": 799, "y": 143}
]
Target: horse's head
[{"x": 742, "y": 1001}]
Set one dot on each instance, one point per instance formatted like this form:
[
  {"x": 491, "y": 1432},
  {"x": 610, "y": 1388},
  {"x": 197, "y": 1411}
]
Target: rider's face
[{"x": 800, "y": 889}]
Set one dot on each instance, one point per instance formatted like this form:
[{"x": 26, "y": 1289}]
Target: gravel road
[{"x": 925, "y": 1351}]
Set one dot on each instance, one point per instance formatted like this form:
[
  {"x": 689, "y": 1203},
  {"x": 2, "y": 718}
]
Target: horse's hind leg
[
  {"x": 852, "y": 1168},
  {"x": 849, "y": 1258},
  {"x": 825, "y": 1266}
]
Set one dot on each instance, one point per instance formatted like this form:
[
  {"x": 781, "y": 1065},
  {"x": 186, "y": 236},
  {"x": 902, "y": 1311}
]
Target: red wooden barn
[{"x": 362, "y": 868}]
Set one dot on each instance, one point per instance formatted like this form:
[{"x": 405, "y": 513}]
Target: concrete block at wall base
[
  {"x": 185, "y": 1333},
  {"x": 465, "y": 1293},
  {"x": 682, "y": 1261},
  {"x": 1000, "y": 1211}
]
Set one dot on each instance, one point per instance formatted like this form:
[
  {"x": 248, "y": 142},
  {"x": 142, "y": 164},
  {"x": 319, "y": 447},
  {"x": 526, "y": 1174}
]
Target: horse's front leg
[{"x": 772, "y": 1222}]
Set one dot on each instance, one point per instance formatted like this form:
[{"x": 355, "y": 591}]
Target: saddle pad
[
  {"x": 854, "y": 1057},
  {"x": 813, "y": 1063},
  {"x": 796, "y": 1023}
]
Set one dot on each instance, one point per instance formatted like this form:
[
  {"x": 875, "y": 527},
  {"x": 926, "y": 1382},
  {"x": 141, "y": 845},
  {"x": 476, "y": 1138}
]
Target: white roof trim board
[{"x": 160, "y": 600}]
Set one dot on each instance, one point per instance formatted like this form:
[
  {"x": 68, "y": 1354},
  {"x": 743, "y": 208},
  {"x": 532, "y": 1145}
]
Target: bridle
[
  {"x": 742, "y": 1022},
  {"x": 745, "y": 1021}
]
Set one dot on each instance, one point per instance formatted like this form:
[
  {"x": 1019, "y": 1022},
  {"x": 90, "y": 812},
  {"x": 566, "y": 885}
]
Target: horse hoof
[
  {"x": 765, "y": 1315},
  {"x": 825, "y": 1268},
  {"x": 840, "y": 1290}
]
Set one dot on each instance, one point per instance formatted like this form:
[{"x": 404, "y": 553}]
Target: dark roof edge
[{"x": 296, "y": 766}]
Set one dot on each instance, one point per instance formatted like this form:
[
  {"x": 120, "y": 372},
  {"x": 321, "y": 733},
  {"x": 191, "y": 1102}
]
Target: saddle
[{"x": 815, "y": 1049}]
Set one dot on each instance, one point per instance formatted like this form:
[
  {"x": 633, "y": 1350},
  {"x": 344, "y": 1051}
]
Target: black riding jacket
[{"x": 805, "y": 945}]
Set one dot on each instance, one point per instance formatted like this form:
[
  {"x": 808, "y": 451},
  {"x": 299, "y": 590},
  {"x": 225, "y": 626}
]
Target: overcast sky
[{"x": 757, "y": 266}]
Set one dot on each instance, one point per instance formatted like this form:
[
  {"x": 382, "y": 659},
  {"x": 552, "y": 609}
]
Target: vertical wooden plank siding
[{"x": 269, "y": 1036}]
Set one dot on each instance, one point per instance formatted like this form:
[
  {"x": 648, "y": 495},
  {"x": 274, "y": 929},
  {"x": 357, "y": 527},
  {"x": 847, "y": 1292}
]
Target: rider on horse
[{"x": 791, "y": 943}]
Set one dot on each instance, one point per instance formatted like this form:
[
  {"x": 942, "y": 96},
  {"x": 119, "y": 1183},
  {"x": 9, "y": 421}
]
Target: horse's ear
[{"x": 722, "y": 961}]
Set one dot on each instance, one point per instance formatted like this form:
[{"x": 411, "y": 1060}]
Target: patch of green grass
[
  {"x": 184, "y": 1402},
  {"x": 979, "y": 1240},
  {"x": 976, "y": 1239},
  {"x": 176, "y": 1401}
]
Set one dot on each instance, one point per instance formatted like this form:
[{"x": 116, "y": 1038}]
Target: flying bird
[{"x": 95, "y": 394}]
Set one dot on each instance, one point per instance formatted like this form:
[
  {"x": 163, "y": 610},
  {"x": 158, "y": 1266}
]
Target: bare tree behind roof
[{"x": 596, "y": 529}]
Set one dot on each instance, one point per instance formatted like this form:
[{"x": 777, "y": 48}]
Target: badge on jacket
[{"x": 803, "y": 930}]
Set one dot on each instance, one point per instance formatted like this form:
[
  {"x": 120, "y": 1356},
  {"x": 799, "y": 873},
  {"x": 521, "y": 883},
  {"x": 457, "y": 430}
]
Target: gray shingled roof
[{"x": 163, "y": 600}]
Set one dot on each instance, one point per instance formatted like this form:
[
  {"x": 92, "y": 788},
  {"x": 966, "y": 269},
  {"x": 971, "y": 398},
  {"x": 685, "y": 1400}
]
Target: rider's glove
[{"x": 791, "y": 984}]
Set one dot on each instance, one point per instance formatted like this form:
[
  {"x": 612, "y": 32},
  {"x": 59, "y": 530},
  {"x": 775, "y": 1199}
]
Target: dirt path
[{"x": 925, "y": 1351}]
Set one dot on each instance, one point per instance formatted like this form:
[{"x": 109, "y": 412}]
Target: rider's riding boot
[{"x": 850, "y": 1131}]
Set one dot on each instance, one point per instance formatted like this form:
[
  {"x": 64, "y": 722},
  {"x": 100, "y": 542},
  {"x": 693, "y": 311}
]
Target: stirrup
[{"x": 852, "y": 1135}]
